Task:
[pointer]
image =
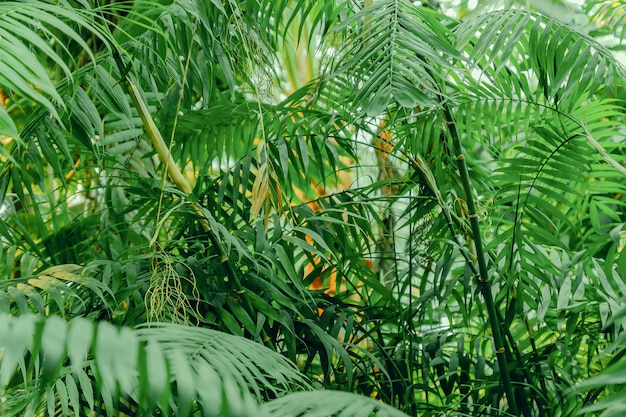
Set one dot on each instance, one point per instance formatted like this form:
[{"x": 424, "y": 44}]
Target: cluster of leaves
[{"x": 155, "y": 173}]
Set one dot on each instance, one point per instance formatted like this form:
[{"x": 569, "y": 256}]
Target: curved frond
[
  {"x": 390, "y": 54},
  {"x": 159, "y": 365},
  {"x": 328, "y": 403},
  {"x": 63, "y": 287},
  {"x": 503, "y": 46},
  {"x": 540, "y": 116},
  {"x": 34, "y": 32},
  {"x": 609, "y": 15}
]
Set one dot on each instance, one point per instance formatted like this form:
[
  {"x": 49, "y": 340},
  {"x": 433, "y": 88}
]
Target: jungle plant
[{"x": 269, "y": 207}]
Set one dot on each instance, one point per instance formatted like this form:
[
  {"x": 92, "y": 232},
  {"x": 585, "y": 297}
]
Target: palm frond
[
  {"x": 158, "y": 365},
  {"x": 609, "y": 16},
  {"x": 389, "y": 55},
  {"x": 29, "y": 30},
  {"x": 574, "y": 67},
  {"x": 540, "y": 115},
  {"x": 328, "y": 403},
  {"x": 63, "y": 286}
]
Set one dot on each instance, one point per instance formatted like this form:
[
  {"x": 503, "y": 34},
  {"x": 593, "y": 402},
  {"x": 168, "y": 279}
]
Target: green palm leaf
[
  {"x": 394, "y": 58},
  {"x": 63, "y": 286},
  {"x": 23, "y": 48},
  {"x": 610, "y": 15},
  {"x": 159, "y": 365},
  {"x": 328, "y": 403},
  {"x": 573, "y": 67}
]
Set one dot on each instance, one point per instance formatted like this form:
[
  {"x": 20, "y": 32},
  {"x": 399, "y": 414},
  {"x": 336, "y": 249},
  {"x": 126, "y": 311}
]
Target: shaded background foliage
[{"x": 269, "y": 207}]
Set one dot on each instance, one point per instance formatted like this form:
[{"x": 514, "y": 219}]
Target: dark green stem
[{"x": 484, "y": 281}]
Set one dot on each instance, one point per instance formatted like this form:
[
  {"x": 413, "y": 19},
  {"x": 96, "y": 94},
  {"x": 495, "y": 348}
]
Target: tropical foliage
[{"x": 294, "y": 208}]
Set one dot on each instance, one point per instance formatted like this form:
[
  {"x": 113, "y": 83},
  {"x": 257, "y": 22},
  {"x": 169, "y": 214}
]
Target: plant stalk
[
  {"x": 180, "y": 180},
  {"x": 483, "y": 277},
  {"x": 157, "y": 139}
]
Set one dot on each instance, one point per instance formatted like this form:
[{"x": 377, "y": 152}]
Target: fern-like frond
[
  {"x": 29, "y": 28},
  {"x": 561, "y": 165},
  {"x": 571, "y": 66},
  {"x": 62, "y": 288},
  {"x": 159, "y": 365},
  {"x": 390, "y": 53},
  {"x": 328, "y": 403},
  {"x": 609, "y": 15}
]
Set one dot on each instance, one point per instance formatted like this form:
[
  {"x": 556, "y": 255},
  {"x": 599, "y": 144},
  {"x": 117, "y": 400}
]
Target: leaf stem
[
  {"x": 182, "y": 183},
  {"x": 484, "y": 282},
  {"x": 157, "y": 139}
]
